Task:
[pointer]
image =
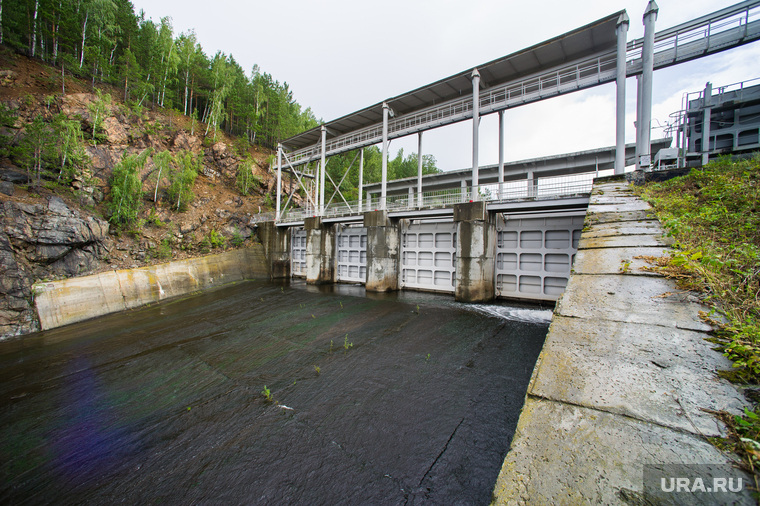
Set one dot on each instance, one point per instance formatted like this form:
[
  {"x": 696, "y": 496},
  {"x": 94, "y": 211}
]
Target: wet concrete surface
[{"x": 396, "y": 399}]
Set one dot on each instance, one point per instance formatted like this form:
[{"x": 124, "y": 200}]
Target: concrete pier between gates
[
  {"x": 625, "y": 375},
  {"x": 276, "y": 243},
  {"x": 476, "y": 248},
  {"x": 383, "y": 250}
]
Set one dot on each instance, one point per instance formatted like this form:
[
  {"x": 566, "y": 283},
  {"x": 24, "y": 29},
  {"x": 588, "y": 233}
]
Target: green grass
[{"x": 713, "y": 214}]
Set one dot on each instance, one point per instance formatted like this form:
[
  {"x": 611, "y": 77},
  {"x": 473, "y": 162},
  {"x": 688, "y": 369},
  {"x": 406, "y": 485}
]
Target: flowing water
[{"x": 400, "y": 399}]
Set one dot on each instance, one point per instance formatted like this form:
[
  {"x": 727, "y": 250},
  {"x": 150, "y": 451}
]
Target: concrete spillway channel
[{"x": 386, "y": 399}]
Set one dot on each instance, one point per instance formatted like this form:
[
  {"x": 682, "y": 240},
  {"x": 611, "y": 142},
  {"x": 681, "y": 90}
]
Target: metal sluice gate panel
[
  {"x": 534, "y": 256},
  {"x": 351, "y": 254},
  {"x": 428, "y": 256},
  {"x": 298, "y": 252}
]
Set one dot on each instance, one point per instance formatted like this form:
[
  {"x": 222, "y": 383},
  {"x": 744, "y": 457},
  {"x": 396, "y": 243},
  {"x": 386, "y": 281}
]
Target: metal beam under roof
[
  {"x": 547, "y": 166},
  {"x": 594, "y": 38}
]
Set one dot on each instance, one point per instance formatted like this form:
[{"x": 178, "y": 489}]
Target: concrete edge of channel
[{"x": 626, "y": 379}]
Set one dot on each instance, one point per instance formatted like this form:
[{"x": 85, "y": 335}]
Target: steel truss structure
[{"x": 577, "y": 60}]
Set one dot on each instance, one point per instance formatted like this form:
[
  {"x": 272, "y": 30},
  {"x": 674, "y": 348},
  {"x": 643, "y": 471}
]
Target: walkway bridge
[{"x": 506, "y": 230}]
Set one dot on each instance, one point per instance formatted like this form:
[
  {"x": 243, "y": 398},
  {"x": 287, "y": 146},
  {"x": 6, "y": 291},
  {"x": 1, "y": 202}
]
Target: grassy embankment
[{"x": 714, "y": 216}]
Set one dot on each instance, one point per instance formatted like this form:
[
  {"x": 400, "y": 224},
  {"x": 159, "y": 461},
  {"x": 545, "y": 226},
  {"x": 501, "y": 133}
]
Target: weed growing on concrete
[
  {"x": 714, "y": 217},
  {"x": 267, "y": 394}
]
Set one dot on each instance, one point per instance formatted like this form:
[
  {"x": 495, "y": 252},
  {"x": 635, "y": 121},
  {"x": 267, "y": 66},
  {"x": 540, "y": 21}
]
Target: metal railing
[
  {"x": 698, "y": 37},
  {"x": 514, "y": 191},
  {"x": 576, "y": 76}
]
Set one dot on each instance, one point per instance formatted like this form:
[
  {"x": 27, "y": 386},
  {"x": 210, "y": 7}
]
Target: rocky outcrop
[
  {"x": 183, "y": 140},
  {"x": 37, "y": 242}
]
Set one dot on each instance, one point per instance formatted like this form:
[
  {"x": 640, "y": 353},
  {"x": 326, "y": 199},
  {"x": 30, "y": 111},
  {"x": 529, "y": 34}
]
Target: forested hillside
[
  {"x": 123, "y": 144},
  {"x": 106, "y": 42}
]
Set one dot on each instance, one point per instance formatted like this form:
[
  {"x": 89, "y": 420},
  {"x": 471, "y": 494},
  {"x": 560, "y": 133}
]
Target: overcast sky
[{"x": 339, "y": 56}]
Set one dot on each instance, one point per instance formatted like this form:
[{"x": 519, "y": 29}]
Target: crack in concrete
[
  {"x": 625, "y": 322},
  {"x": 617, "y": 413},
  {"x": 445, "y": 447}
]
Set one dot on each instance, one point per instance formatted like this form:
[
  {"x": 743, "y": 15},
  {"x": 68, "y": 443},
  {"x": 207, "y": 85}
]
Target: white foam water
[{"x": 520, "y": 314}]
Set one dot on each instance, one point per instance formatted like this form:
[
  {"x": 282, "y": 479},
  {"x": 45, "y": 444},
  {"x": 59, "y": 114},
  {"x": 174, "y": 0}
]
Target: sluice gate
[{"x": 474, "y": 254}]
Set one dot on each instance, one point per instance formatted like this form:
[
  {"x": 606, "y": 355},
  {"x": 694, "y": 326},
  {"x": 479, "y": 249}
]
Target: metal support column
[
  {"x": 638, "y": 122},
  {"x": 501, "y": 154},
  {"x": 532, "y": 184},
  {"x": 279, "y": 181},
  {"x": 384, "y": 173},
  {"x": 419, "y": 169},
  {"x": 322, "y": 172},
  {"x": 361, "y": 177},
  {"x": 647, "y": 58},
  {"x": 475, "y": 129},
  {"x": 622, "y": 37},
  {"x": 706, "y": 124}
]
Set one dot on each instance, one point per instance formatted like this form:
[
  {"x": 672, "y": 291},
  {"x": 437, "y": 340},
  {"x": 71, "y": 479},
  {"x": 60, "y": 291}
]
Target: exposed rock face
[
  {"x": 35, "y": 242},
  {"x": 183, "y": 140},
  {"x": 115, "y": 133},
  {"x": 76, "y": 104}
]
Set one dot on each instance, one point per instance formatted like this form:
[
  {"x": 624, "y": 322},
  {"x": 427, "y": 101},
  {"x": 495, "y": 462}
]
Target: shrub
[
  {"x": 246, "y": 179},
  {"x": 182, "y": 179},
  {"x": 98, "y": 109},
  {"x": 126, "y": 189},
  {"x": 215, "y": 239}
]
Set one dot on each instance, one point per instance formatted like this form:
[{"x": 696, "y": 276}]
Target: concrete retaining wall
[
  {"x": 72, "y": 300},
  {"x": 625, "y": 379}
]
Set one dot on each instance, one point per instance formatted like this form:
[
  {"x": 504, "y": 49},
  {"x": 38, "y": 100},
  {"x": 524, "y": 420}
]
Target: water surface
[{"x": 401, "y": 399}]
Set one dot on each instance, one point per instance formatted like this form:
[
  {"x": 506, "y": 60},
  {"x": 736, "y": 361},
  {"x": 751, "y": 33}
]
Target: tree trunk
[
  {"x": 166, "y": 73},
  {"x": 56, "y": 29},
  {"x": 158, "y": 180},
  {"x": 126, "y": 79},
  {"x": 187, "y": 78},
  {"x": 84, "y": 38},
  {"x": 34, "y": 27}
]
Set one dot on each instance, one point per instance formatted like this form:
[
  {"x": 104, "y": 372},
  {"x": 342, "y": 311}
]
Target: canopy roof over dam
[{"x": 593, "y": 39}]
